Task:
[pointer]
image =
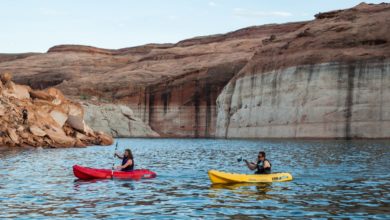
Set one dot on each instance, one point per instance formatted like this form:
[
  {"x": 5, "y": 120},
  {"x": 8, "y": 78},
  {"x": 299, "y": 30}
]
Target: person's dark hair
[
  {"x": 262, "y": 153},
  {"x": 129, "y": 153}
]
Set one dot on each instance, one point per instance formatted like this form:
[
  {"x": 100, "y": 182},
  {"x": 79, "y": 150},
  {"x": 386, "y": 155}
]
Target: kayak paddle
[
  {"x": 240, "y": 159},
  {"x": 113, "y": 164}
]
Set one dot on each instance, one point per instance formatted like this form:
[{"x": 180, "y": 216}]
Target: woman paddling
[{"x": 127, "y": 161}]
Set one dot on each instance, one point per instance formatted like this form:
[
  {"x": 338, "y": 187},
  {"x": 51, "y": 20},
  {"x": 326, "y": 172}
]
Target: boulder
[
  {"x": 60, "y": 139},
  {"x": 41, "y": 95},
  {"x": 12, "y": 134},
  {"x": 81, "y": 136},
  {"x": 56, "y": 101},
  {"x": 56, "y": 93},
  {"x": 126, "y": 111},
  {"x": 35, "y": 130},
  {"x": 59, "y": 117},
  {"x": 75, "y": 109},
  {"x": 21, "y": 92},
  {"x": 30, "y": 141},
  {"x": 79, "y": 124},
  {"x": 79, "y": 143},
  {"x": 69, "y": 130},
  {"x": 104, "y": 139},
  {"x": 20, "y": 128},
  {"x": 10, "y": 85},
  {"x": 6, "y": 77},
  {"x": 16, "y": 91},
  {"x": 25, "y": 135}
]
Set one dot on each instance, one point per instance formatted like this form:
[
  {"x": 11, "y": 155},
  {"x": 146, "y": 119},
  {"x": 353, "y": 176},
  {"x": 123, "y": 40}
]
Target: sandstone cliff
[
  {"x": 36, "y": 118},
  {"x": 329, "y": 79},
  {"x": 329, "y": 100},
  {"x": 171, "y": 87},
  {"x": 174, "y": 87}
]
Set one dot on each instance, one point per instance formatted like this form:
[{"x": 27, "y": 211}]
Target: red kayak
[{"x": 86, "y": 173}]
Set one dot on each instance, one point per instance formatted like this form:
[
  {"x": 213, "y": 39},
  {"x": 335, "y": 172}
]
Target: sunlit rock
[
  {"x": 12, "y": 134},
  {"x": 30, "y": 118},
  {"x": 35, "y": 130},
  {"x": 117, "y": 120},
  {"x": 59, "y": 116}
]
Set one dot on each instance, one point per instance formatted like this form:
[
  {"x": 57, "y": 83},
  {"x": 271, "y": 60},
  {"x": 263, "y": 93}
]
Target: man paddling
[
  {"x": 127, "y": 161},
  {"x": 263, "y": 166}
]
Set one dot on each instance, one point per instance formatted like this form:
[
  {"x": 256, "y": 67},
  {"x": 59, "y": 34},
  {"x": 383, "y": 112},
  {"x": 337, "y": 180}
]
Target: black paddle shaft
[{"x": 116, "y": 148}]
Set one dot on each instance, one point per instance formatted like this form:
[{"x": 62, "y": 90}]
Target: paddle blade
[{"x": 239, "y": 159}]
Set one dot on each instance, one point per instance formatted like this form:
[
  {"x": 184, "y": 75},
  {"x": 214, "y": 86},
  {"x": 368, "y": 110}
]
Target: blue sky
[{"x": 36, "y": 25}]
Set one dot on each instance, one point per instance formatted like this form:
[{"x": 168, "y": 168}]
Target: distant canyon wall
[
  {"x": 330, "y": 100},
  {"x": 184, "y": 106}
]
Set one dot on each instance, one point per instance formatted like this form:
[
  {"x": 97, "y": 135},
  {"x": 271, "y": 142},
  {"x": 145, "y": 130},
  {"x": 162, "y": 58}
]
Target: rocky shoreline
[{"x": 43, "y": 118}]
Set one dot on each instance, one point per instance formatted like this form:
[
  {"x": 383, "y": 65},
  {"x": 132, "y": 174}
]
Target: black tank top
[
  {"x": 128, "y": 168},
  {"x": 261, "y": 169}
]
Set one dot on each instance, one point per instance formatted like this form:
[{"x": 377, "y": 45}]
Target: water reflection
[
  {"x": 261, "y": 187},
  {"x": 256, "y": 190},
  {"x": 127, "y": 185}
]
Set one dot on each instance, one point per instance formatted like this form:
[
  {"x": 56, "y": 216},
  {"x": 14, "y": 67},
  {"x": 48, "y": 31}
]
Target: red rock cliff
[{"x": 174, "y": 87}]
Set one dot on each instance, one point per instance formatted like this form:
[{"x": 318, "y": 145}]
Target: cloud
[
  {"x": 212, "y": 4},
  {"x": 241, "y": 12}
]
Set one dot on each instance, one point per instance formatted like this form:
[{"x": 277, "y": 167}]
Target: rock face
[
  {"x": 171, "y": 87},
  {"x": 117, "y": 120},
  {"x": 331, "y": 100},
  {"x": 174, "y": 87},
  {"x": 48, "y": 119},
  {"x": 328, "y": 79}
]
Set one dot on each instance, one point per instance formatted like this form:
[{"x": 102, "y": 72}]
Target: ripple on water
[{"x": 348, "y": 179}]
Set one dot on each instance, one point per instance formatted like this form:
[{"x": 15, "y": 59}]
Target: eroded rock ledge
[
  {"x": 53, "y": 120},
  {"x": 117, "y": 120}
]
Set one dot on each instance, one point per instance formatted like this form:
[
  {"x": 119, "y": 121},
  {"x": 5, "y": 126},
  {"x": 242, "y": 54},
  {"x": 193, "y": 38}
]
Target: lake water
[{"x": 339, "y": 179}]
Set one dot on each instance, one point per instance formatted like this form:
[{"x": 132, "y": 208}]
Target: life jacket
[
  {"x": 128, "y": 168},
  {"x": 261, "y": 169}
]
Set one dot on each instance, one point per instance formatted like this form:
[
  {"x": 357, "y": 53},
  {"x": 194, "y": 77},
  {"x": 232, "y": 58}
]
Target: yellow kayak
[{"x": 223, "y": 177}]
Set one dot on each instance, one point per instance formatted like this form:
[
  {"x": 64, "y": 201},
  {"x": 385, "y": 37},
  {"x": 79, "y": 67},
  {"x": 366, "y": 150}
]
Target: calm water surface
[{"x": 338, "y": 179}]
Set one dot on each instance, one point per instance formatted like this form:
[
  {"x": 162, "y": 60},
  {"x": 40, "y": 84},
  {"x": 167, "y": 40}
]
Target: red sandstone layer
[{"x": 173, "y": 87}]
